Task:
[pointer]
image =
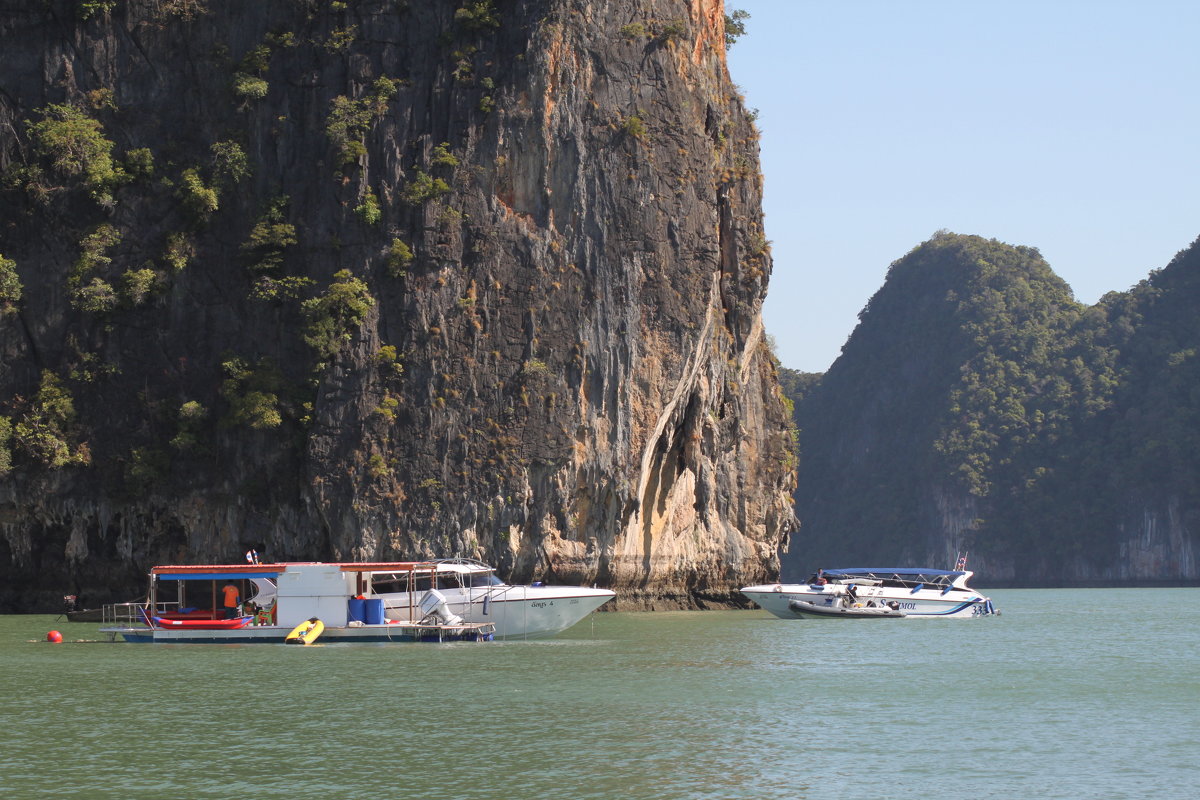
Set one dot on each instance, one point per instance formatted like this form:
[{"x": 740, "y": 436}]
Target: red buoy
[{"x": 54, "y": 636}]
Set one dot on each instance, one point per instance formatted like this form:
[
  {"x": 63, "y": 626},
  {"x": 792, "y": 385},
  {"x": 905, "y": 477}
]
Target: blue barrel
[
  {"x": 358, "y": 609},
  {"x": 374, "y": 611}
]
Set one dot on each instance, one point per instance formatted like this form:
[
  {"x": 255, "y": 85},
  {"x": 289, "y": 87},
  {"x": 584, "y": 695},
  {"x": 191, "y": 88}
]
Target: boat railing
[
  {"x": 130, "y": 613},
  {"x": 479, "y": 595},
  {"x": 913, "y": 582}
]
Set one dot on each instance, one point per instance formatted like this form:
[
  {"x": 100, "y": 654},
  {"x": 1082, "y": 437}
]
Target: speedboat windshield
[
  {"x": 473, "y": 574},
  {"x": 446, "y": 574},
  {"x": 891, "y": 576}
]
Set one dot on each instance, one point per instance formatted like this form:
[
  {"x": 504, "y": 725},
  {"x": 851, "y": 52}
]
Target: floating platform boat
[{"x": 184, "y": 606}]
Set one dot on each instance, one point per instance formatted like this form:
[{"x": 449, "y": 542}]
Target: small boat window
[
  {"x": 449, "y": 582},
  {"x": 391, "y": 584},
  {"x": 483, "y": 580}
]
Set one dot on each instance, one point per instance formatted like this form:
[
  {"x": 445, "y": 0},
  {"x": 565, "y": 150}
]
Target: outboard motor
[{"x": 434, "y": 604}]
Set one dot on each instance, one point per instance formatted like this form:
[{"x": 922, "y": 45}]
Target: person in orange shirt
[{"x": 231, "y": 601}]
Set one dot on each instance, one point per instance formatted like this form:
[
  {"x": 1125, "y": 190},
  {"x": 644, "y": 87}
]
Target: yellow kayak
[{"x": 306, "y": 632}]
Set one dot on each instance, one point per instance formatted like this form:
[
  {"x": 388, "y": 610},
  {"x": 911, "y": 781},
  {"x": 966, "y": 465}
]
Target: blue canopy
[
  {"x": 891, "y": 571},
  {"x": 216, "y": 576}
]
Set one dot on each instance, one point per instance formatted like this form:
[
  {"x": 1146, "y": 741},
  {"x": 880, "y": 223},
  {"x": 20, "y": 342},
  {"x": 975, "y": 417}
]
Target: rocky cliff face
[{"x": 377, "y": 279}]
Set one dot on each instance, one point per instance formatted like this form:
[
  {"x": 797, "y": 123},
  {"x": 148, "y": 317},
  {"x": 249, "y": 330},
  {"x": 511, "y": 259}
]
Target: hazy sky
[{"x": 1073, "y": 127}]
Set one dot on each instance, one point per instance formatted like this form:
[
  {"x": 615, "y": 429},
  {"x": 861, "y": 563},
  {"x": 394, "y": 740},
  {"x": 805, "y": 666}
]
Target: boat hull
[{"x": 516, "y": 611}]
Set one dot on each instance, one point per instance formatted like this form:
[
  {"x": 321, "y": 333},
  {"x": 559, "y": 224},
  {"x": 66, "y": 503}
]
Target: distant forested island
[{"x": 978, "y": 408}]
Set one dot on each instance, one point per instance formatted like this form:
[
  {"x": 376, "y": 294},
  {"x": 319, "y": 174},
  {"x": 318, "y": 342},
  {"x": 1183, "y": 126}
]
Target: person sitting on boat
[
  {"x": 819, "y": 580},
  {"x": 231, "y": 603},
  {"x": 851, "y": 592}
]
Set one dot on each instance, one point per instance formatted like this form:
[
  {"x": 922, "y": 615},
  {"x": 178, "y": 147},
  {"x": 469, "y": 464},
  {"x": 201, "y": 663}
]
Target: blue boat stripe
[{"x": 955, "y": 610}]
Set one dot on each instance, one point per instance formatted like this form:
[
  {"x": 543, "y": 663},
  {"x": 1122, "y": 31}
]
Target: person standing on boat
[{"x": 230, "y": 602}]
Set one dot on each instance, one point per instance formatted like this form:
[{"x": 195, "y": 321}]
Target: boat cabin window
[
  {"x": 426, "y": 582},
  {"x": 392, "y": 583},
  {"x": 388, "y": 585}
]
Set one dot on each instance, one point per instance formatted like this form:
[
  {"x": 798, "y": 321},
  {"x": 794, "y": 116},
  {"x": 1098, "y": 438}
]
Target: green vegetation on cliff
[
  {"x": 74, "y": 144},
  {"x": 10, "y": 285}
]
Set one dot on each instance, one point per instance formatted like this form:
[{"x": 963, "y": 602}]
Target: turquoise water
[{"x": 1068, "y": 694}]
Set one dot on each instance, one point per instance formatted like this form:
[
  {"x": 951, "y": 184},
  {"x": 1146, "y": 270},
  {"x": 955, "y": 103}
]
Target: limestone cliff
[{"x": 379, "y": 279}]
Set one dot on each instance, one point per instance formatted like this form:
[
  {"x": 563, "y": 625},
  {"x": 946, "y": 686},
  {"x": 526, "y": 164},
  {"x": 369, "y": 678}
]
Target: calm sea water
[{"x": 1069, "y": 694}]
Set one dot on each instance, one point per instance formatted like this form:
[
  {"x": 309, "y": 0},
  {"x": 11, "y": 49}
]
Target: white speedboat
[
  {"x": 918, "y": 592},
  {"x": 469, "y": 591}
]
